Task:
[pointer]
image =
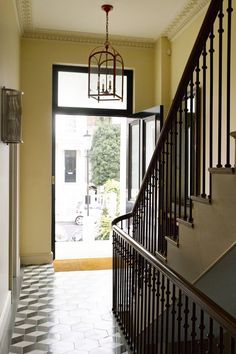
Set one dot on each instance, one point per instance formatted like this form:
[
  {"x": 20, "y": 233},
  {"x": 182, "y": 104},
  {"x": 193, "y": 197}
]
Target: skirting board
[
  {"x": 5, "y": 316},
  {"x": 36, "y": 258}
]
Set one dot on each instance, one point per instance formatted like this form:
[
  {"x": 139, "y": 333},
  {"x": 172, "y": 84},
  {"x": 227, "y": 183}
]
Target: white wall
[{"x": 9, "y": 77}]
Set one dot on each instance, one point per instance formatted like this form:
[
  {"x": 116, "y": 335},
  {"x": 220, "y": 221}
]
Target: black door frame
[
  {"x": 79, "y": 111},
  {"x": 140, "y": 119}
]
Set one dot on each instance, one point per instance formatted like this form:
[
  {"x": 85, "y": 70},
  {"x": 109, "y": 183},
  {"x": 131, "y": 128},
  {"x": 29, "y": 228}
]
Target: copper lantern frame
[{"x": 105, "y": 70}]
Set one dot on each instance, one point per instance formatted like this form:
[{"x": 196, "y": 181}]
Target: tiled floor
[{"x": 67, "y": 312}]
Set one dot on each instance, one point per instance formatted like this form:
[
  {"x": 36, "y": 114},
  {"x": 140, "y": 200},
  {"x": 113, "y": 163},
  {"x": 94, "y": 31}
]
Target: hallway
[{"x": 66, "y": 313}]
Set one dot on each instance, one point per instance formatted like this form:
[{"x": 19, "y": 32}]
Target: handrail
[
  {"x": 213, "y": 309},
  {"x": 121, "y": 218},
  {"x": 191, "y": 64},
  {"x": 178, "y": 168},
  {"x": 179, "y": 314}
]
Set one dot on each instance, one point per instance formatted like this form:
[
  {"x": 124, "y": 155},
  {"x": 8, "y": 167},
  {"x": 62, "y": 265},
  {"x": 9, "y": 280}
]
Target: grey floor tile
[{"x": 65, "y": 313}]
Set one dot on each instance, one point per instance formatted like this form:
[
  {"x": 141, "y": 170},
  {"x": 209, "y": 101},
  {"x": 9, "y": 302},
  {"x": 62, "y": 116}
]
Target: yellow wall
[
  {"x": 37, "y": 58},
  {"x": 9, "y": 77},
  {"x": 181, "y": 47},
  {"x": 157, "y": 73}
]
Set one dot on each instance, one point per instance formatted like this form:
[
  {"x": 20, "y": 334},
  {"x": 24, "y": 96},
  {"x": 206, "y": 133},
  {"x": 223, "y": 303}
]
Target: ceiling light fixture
[{"x": 106, "y": 70}]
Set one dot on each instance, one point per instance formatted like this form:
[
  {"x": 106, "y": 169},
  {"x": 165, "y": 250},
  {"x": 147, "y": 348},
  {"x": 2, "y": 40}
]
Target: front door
[{"x": 89, "y": 183}]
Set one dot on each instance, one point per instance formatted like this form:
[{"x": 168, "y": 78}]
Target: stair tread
[
  {"x": 222, "y": 170},
  {"x": 184, "y": 222},
  {"x": 201, "y": 199}
]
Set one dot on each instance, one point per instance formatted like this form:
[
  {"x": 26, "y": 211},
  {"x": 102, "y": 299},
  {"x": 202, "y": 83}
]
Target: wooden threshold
[{"x": 68, "y": 265}]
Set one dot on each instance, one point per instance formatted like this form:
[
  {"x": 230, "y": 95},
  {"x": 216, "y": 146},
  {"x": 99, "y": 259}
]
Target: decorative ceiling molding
[
  {"x": 24, "y": 9},
  {"x": 87, "y": 38},
  {"x": 192, "y": 8}
]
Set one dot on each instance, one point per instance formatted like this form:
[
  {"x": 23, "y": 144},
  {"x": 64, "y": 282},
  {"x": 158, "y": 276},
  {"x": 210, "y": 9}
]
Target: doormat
[{"x": 67, "y": 265}]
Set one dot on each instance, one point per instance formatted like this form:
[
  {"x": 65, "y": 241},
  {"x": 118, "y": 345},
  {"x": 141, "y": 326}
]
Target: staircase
[
  {"x": 212, "y": 233},
  {"x": 183, "y": 222}
]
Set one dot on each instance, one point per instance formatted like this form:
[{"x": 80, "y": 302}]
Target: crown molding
[
  {"x": 87, "y": 38},
  {"x": 24, "y": 9},
  {"x": 192, "y": 8}
]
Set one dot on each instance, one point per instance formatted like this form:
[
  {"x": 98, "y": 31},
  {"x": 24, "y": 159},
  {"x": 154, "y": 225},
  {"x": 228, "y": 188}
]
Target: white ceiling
[{"x": 130, "y": 18}]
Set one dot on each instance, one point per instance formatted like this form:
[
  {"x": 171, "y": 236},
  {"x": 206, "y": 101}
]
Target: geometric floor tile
[{"x": 66, "y": 313}]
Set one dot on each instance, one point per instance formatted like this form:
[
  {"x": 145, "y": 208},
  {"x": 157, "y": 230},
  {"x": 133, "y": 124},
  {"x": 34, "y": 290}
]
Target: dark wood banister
[
  {"x": 224, "y": 319},
  {"x": 121, "y": 218},
  {"x": 189, "y": 68},
  {"x": 208, "y": 305}
]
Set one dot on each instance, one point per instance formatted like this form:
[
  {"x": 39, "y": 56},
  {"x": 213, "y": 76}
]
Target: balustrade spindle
[
  {"x": 149, "y": 306},
  {"x": 232, "y": 346},
  {"x": 202, "y": 327},
  {"x": 186, "y": 325},
  {"x": 175, "y": 179},
  {"x": 173, "y": 319},
  {"x": 167, "y": 310},
  {"x": 122, "y": 285},
  {"x": 166, "y": 188},
  {"x": 154, "y": 311},
  {"x": 145, "y": 238},
  {"x": 191, "y": 148},
  {"x": 211, "y": 102},
  {"x": 185, "y": 155},
  {"x": 162, "y": 204},
  {"x": 141, "y": 274},
  {"x": 126, "y": 302},
  {"x": 137, "y": 299},
  {"x": 198, "y": 129},
  {"x": 154, "y": 211},
  {"x": 139, "y": 239},
  {"x": 180, "y": 160},
  {"x": 204, "y": 68},
  {"x": 162, "y": 300},
  {"x": 145, "y": 302},
  {"x": 120, "y": 288},
  {"x": 156, "y": 216},
  {"x": 220, "y": 345},
  {"x": 158, "y": 297},
  {"x": 228, "y": 89},
  {"x": 179, "y": 320},
  {"x": 171, "y": 180},
  {"x": 142, "y": 220},
  {"x": 130, "y": 301},
  {"x": 220, "y": 31},
  {"x": 210, "y": 337},
  {"x": 149, "y": 216},
  {"x": 193, "y": 330}
]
